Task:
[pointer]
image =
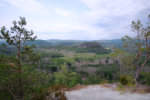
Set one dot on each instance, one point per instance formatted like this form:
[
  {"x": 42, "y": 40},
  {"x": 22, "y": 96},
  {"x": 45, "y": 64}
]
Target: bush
[
  {"x": 56, "y": 87},
  {"x": 78, "y": 59},
  {"x": 104, "y": 82},
  {"x": 66, "y": 78},
  {"x": 83, "y": 73},
  {"x": 33, "y": 82},
  {"x": 126, "y": 80},
  {"x": 57, "y": 62},
  {"x": 92, "y": 80},
  {"x": 56, "y": 54},
  {"x": 109, "y": 72},
  {"x": 144, "y": 78},
  {"x": 120, "y": 87},
  {"x": 51, "y": 54},
  {"x": 60, "y": 95}
]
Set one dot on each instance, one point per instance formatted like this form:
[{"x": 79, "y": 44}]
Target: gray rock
[{"x": 101, "y": 93}]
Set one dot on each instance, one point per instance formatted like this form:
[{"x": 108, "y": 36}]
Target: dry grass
[
  {"x": 139, "y": 90},
  {"x": 143, "y": 89}
]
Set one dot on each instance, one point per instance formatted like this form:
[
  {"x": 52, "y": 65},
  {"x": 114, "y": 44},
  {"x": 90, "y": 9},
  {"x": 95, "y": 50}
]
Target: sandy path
[{"x": 102, "y": 93}]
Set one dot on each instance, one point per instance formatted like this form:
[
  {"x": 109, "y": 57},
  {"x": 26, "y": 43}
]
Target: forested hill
[
  {"x": 116, "y": 43},
  {"x": 98, "y": 47}
]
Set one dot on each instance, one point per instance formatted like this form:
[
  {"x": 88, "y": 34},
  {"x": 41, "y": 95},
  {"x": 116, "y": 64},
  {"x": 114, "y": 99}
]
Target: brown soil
[
  {"x": 77, "y": 87},
  {"x": 143, "y": 89}
]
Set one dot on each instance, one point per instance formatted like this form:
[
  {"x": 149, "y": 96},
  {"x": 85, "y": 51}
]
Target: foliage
[
  {"x": 60, "y": 95},
  {"x": 107, "y": 60},
  {"x": 120, "y": 87},
  {"x": 92, "y": 47},
  {"x": 104, "y": 82},
  {"x": 29, "y": 56},
  {"x": 92, "y": 80},
  {"x": 139, "y": 46},
  {"x": 33, "y": 81},
  {"x": 19, "y": 78},
  {"x": 144, "y": 78},
  {"x": 126, "y": 80},
  {"x": 57, "y": 62},
  {"x": 51, "y": 67},
  {"x": 64, "y": 77},
  {"x": 109, "y": 72},
  {"x": 83, "y": 73},
  {"x": 18, "y": 33}
]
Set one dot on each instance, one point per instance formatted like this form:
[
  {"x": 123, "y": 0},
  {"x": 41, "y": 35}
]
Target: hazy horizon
[
  {"x": 81, "y": 39},
  {"x": 76, "y": 19},
  {"x": 74, "y": 39}
]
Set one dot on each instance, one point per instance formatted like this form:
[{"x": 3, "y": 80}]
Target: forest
[{"x": 33, "y": 69}]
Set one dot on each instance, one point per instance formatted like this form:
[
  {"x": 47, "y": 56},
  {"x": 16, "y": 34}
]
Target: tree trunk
[
  {"x": 19, "y": 72},
  {"x": 142, "y": 66},
  {"x": 136, "y": 77}
]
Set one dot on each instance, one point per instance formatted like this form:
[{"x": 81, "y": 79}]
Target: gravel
[{"x": 103, "y": 93}]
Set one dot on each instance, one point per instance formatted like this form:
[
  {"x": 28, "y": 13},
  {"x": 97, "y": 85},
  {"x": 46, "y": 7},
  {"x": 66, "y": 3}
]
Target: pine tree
[{"x": 17, "y": 36}]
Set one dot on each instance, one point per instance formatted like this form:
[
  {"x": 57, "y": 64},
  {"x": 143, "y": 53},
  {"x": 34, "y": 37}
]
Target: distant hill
[
  {"x": 116, "y": 43},
  {"x": 39, "y": 43},
  {"x": 92, "y": 47}
]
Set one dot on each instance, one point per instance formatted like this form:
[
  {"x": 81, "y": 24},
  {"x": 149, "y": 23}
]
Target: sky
[{"x": 76, "y": 19}]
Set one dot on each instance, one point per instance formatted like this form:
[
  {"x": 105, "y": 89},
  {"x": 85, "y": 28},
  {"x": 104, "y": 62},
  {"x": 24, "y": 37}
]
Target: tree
[
  {"x": 107, "y": 60},
  {"x": 66, "y": 78},
  {"x": 17, "y": 36},
  {"x": 139, "y": 46},
  {"x": 28, "y": 56}
]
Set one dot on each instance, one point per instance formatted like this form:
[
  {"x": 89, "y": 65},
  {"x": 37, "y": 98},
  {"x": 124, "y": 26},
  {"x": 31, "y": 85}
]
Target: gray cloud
[
  {"x": 114, "y": 17},
  {"x": 104, "y": 19}
]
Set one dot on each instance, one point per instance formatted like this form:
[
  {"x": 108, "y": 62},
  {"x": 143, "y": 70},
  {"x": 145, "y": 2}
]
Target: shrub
[
  {"x": 109, "y": 72},
  {"x": 92, "y": 80},
  {"x": 54, "y": 69},
  {"x": 83, "y": 73},
  {"x": 56, "y": 54},
  {"x": 34, "y": 82},
  {"x": 78, "y": 59},
  {"x": 104, "y": 82},
  {"x": 126, "y": 80},
  {"x": 60, "y": 95},
  {"x": 144, "y": 78},
  {"x": 120, "y": 87},
  {"x": 56, "y": 87},
  {"x": 66, "y": 78}
]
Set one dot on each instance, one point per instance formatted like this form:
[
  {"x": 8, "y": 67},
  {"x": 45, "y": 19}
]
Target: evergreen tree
[{"x": 17, "y": 36}]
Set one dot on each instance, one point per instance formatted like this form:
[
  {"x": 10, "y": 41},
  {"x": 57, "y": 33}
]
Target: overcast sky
[{"x": 76, "y": 19}]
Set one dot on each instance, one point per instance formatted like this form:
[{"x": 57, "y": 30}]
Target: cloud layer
[
  {"x": 82, "y": 19},
  {"x": 28, "y": 5}
]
